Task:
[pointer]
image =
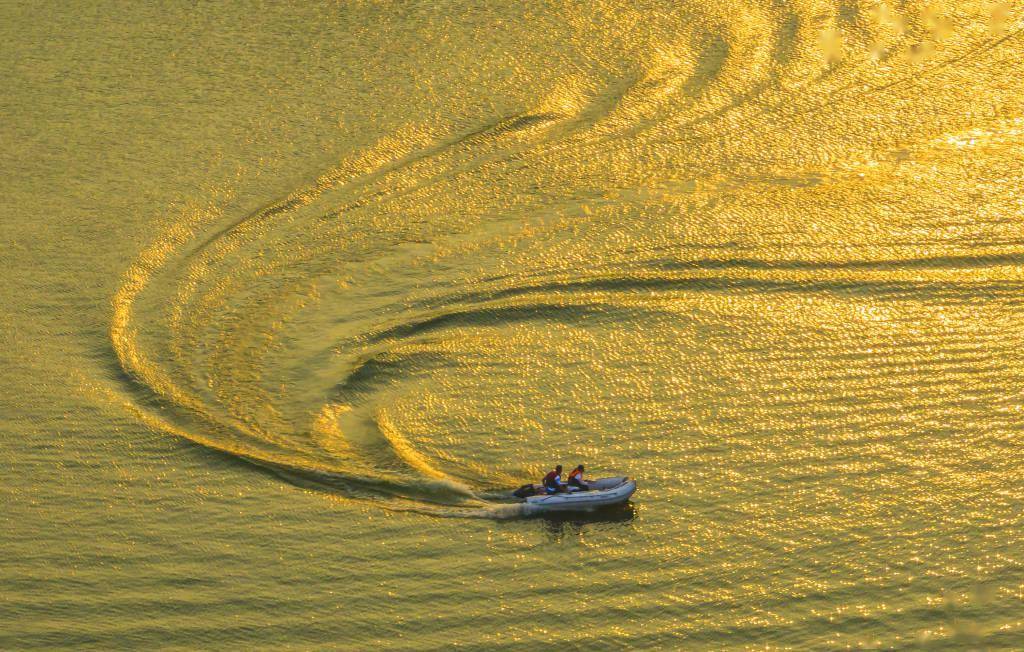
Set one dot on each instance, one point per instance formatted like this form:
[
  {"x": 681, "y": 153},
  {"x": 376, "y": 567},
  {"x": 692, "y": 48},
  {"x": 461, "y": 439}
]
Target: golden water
[{"x": 285, "y": 286}]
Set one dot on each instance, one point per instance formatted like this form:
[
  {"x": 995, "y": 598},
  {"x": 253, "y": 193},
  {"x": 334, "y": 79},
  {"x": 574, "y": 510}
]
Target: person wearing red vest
[{"x": 553, "y": 481}]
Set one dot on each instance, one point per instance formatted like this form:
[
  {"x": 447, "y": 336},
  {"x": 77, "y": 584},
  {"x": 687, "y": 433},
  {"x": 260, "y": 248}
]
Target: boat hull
[{"x": 605, "y": 492}]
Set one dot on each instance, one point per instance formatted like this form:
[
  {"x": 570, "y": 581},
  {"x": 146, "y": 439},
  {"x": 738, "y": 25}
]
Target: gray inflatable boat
[{"x": 604, "y": 492}]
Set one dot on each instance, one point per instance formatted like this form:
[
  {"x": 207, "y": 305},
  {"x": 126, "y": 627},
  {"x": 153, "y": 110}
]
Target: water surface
[{"x": 292, "y": 294}]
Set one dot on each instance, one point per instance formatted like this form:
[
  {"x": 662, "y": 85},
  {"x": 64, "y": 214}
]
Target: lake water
[{"x": 294, "y": 295}]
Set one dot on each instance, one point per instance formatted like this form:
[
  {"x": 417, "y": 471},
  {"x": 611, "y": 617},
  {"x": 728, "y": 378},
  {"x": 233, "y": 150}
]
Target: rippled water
[{"x": 293, "y": 295}]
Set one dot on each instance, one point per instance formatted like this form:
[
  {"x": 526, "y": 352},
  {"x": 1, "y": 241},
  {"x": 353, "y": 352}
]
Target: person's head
[
  {"x": 579, "y": 468},
  {"x": 558, "y": 468}
]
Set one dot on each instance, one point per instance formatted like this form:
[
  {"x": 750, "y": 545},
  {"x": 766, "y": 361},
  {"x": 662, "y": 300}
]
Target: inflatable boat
[{"x": 604, "y": 492}]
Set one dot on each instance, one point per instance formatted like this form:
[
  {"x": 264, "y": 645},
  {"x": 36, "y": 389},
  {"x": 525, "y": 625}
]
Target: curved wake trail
[{"x": 692, "y": 164}]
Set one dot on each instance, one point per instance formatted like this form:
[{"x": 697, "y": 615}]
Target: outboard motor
[{"x": 524, "y": 491}]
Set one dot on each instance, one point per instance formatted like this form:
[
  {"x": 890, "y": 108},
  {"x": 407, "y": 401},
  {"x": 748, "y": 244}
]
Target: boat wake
[{"x": 296, "y": 335}]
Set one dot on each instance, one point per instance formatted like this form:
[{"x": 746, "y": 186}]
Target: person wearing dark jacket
[{"x": 576, "y": 479}]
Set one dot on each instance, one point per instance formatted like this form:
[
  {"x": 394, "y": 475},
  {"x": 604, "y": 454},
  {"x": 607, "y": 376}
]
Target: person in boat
[
  {"x": 576, "y": 479},
  {"x": 553, "y": 481}
]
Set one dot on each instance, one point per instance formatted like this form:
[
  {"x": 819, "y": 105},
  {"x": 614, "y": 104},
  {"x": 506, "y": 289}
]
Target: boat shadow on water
[{"x": 560, "y": 524}]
